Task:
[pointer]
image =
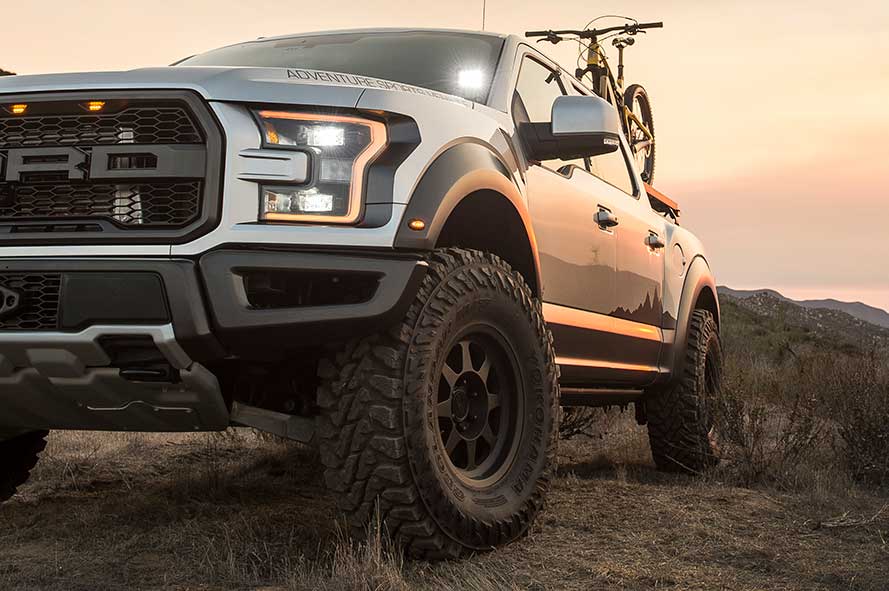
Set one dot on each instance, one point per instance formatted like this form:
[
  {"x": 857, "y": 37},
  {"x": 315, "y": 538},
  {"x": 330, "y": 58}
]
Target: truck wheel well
[
  {"x": 487, "y": 221},
  {"x": 707, "y": 301}
]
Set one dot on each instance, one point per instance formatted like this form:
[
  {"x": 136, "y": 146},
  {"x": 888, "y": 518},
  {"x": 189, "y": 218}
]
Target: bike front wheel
[{"x": 640, "y": 130}]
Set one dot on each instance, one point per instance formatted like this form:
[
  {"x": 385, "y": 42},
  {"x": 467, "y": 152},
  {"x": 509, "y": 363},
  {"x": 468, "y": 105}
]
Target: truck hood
[{"x": 273, "y": 85}]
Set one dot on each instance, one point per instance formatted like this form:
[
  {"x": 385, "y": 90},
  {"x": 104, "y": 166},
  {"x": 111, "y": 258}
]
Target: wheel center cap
[{"x": 460, "y": 404}]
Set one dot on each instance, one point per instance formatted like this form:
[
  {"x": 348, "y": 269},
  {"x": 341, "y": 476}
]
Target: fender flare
[
  {"x": 457, "y": 172},
  {"x": 698, "y": 278}
]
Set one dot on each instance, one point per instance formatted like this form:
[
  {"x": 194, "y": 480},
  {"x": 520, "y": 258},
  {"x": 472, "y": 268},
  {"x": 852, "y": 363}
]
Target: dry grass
[{"x": 236, "y": 511}]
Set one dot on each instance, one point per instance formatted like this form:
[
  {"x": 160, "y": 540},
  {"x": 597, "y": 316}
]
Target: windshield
[{"x": 461, "y": 64}]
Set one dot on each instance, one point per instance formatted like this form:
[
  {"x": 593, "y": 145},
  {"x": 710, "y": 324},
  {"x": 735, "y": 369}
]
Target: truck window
[
  {"x": 611, "y": 168},
  {"x": 537, "y": 89},
  {"x": 614, "y": 169},
  {"x": 455, "y": 63}
]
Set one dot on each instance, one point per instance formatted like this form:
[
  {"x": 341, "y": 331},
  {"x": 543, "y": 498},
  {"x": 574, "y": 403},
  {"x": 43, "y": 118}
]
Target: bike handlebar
[{"x": 591, "y": 33}]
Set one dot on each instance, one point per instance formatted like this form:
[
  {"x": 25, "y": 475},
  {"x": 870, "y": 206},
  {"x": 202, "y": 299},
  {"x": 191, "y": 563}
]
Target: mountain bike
[{"x": 633, "y": 103}]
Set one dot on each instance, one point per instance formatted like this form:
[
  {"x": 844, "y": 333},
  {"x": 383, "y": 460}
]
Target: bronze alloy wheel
[{"x": 479, "y": 409}]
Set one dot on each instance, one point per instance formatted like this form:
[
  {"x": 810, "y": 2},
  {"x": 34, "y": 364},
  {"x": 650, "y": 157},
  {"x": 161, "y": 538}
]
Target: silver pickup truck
[{"x": 407, "y": 247}]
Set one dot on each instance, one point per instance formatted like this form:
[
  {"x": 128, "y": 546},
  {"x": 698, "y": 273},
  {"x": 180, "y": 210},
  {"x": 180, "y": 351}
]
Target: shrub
[
  {"x": 857, "y": 400},
  {"x": 781, "y": 420},
  {"x": 767, "y": 420},
  {"x": 580, "y": 421}
]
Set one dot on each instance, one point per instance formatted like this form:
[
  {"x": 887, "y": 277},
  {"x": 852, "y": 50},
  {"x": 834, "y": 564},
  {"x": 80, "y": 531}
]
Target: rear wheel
[
  {"x": 641, "y": 143},
  {"x": 446, "y": 424},
  {"x": 681, "y": 428},
  {"x": 18, "y": 456}
]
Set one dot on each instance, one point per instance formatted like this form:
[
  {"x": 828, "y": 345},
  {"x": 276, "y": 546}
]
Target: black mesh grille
[
  {"x": 39, "y": 308},
  {"x": 131, "y": 205},
  {"x": 67, "y": 175},
  {"x": 135, "y": 125}
]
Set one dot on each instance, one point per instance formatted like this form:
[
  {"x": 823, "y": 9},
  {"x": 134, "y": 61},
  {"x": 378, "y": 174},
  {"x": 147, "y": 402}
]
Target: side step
[
  {"x": 598, "y": 396},
  {"x": 300, "y": 429}
]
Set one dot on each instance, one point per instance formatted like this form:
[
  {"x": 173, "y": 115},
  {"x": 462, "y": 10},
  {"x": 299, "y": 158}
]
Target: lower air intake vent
[
  {"x": 297, "y": 289},
  {"x": 39, "y": 305}
]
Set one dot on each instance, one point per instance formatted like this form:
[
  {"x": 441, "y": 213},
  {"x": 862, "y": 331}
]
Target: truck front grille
[
  {"x": 145, "y": 169},
  {"x": 39, "y": 308},
  {"x": 135, "y": 125},
  {"x": 158, "y": 204}
]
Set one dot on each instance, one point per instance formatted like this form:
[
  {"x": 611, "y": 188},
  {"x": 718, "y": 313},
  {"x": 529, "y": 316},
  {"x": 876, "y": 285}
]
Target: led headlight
[{"x": 341, "y": 147}]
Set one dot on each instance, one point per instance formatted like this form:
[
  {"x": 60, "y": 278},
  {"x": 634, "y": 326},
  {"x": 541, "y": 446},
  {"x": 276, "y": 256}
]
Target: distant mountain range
[{"x": 857, "y": 310}]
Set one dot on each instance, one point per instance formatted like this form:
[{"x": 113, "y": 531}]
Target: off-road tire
[
  {"x": 18, "y": 456},
  {"x": 680, "y": 424},
  {"x": 380, "y": 435}
]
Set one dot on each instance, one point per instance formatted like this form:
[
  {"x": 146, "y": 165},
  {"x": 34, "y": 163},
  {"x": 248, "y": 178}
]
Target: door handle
[
  {"x": 606, "y": 219},
  {"x": 653, "y": 241}
]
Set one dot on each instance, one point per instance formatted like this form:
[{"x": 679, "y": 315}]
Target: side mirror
[{"x": 581, "y": 126}]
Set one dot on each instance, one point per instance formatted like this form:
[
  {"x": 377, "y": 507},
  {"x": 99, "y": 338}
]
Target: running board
[
  {"x": 598, "y": 396},
  {"x": 293, "y": 427}
]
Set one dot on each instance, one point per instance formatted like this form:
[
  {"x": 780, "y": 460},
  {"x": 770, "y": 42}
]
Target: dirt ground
[{"x": 242, "y": 511}]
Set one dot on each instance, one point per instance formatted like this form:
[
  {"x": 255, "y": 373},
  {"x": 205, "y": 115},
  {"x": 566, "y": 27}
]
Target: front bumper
[
  {"x": 387, "y": 284},
  {"x": 136, "y": 340},
  {"x": 68, "y": 381}
]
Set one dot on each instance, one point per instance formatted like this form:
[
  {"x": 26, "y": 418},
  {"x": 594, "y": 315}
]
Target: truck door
[
  {"x": 577, "y": 258},
  {"x": 640, "y": 260}
]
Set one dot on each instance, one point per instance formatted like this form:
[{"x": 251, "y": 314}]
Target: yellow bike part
[{"x": 630, "y": 116}]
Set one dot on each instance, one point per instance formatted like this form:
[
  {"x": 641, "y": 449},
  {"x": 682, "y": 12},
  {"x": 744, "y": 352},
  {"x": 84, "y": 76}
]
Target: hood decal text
[{"x": 365, "y": 82}]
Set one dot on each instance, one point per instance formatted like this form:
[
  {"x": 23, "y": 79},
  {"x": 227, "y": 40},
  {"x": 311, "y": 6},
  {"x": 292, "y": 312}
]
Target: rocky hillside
[
  {"x": 770, "y": 323},
  {"x": 855, "y": 309}
]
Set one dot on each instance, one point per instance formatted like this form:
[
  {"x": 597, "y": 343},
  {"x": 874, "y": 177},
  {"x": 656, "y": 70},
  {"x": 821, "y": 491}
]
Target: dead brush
[
  {"x": 858, "y": 403},
  {"x": 768, "y": 422},
  {"x": 579, "y": 421},
  {"x": 792, "y": 421}
]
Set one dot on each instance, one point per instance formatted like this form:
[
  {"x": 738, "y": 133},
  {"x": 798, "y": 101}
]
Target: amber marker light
[
  {"x": 271, "y": 133},
  {"x": 18, "y": 109},
  {"x": 417, "y": 225},
  {"x": 95, "y": 106}
]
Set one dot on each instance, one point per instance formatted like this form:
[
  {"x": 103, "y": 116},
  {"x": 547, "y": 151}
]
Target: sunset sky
[{"x": 771, "y": 117}]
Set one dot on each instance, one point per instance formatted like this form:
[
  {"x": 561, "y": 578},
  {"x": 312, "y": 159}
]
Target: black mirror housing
[{"x": 543, "y": 145}]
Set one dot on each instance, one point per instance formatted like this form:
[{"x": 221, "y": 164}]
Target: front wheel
[
  {"x": 640, "y": 130},
  {"x": 446, "y": 423}
]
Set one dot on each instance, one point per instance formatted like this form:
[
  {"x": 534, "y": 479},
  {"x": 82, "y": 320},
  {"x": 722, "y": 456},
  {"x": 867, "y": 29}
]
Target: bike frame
[{"x": 610, "y": 88}]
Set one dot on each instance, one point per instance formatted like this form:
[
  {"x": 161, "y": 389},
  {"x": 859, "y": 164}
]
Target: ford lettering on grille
[{"x": 141, "y": 169}]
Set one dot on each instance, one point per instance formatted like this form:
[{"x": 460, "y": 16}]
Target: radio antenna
[{"x": 484, "y": 12}]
